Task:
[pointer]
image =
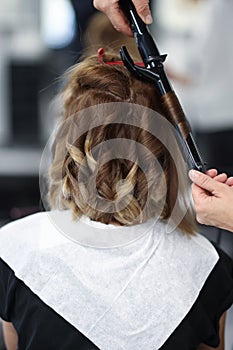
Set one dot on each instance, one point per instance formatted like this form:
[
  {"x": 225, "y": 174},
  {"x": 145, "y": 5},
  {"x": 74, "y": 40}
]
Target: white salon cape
[{"x": 131, "y": 286}]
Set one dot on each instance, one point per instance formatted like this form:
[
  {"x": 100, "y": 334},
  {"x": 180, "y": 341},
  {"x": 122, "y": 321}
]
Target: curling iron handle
[{"x": 144, "y": 40}]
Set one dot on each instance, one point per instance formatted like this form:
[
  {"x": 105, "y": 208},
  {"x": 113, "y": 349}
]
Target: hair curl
[{"x": 91, "y": 179}]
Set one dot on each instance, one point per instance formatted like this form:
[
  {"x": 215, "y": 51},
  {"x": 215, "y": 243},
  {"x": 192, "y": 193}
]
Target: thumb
[{"x": 204, "y": 181}]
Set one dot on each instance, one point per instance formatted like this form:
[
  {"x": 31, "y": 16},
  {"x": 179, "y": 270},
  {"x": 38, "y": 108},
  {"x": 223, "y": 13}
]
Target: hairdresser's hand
[
  {"x": 112, "y": 9},
  {"x": 213, "y": 198}
]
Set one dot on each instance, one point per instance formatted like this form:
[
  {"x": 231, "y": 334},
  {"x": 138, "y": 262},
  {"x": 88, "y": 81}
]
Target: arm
[
  {"x": 213, "y": 199},
  {"x": 221, "y": 336},
  {"x": 10, "y": 336},
  {"x": 112, "y": 10}
]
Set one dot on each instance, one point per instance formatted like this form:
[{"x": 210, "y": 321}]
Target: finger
[
  {"x": 119, "y": 21},
  {"x": 142, "y": 8},
  {"x": 212, "y": 172},
  {"x": 205, "y": 182},
  {"x": 218, "y": 177},
  {"x": 221, "y": 178},
  {"x": 229, "y": 181}
]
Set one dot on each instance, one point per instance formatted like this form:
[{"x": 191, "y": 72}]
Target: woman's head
[{"x": 107, "y": 165}]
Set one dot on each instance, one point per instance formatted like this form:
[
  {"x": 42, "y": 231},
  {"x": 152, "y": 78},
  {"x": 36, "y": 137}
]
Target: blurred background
[{"x": 40, "y": 39}]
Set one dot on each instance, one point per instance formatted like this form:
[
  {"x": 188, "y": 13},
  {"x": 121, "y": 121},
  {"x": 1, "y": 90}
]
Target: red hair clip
[{"x": 101, "y": 57}]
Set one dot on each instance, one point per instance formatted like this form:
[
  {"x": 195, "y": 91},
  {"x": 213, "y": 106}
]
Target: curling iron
[{"x": 154, "y": 72}]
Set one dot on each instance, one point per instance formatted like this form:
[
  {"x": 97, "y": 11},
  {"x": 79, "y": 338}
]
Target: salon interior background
[{"x": 38, "y": 40}]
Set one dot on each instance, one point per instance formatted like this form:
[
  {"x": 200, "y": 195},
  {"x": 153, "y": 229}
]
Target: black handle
[
  {"x": 146, "y": 45},
  {"x": 144, "y": 40}
]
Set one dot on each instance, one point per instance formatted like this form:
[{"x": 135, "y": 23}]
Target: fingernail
[
  {"x": 193, "y": 174},
  {"x": 148, "y": 19}
]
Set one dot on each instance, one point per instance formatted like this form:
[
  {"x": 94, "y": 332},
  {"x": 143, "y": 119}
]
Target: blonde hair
[{"x": 124, "y": 194}]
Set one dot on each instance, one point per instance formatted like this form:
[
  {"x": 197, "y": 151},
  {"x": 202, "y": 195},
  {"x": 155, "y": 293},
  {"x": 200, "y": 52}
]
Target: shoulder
[
  {"x": 222, "y": 271},
  {"x": 194, "y": 248},
  {"x": 30, "y": 228},
  {"x": 24, "y": 225},
  {"x": 22, "y": 238},
  {"x": 20, "y": 232},
  {"x": 218, "y": 288}
]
